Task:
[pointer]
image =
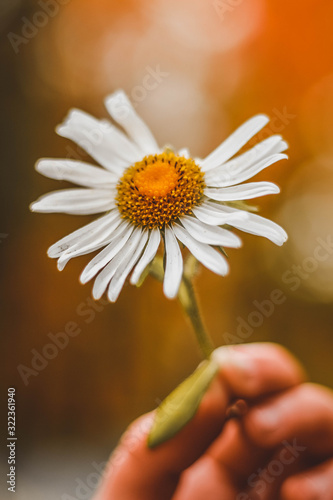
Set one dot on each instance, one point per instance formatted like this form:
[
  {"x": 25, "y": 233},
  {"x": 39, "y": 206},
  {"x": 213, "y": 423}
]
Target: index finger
[{"x": 258, "y": 369}]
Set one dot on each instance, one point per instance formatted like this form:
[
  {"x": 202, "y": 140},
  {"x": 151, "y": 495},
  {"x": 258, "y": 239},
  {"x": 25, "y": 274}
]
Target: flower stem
[
  {"x": 187, "y": 298},
  {"x": 189, "y": 303}
]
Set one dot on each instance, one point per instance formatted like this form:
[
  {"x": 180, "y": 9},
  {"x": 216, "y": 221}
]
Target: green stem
[{"x": 189, "y": 303}]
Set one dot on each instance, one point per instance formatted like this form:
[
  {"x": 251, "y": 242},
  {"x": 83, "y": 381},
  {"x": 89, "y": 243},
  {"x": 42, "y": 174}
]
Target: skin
[{"x": 277, "y": 445}]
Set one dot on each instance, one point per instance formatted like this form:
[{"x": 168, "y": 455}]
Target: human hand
[{"x": 279, "y": 447}]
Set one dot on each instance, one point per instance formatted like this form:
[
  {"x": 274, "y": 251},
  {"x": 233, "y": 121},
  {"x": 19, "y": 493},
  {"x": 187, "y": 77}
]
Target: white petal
[
  {"x": 102, "y": 236},
  {"x": 184, "y": 152},
  {"x": 205, "y": 254},
  {"x": 230, "y": 174},
  {"x": 65, "y": 258},
  {"x": 76, "y": 201},
  {"x": 101, "y": 140},
  {"x": 218, "y": 214},
  {"x": 242, "y": 192},
  {"x": 173, "y": 265},
  {"x": 77, "y": 172},
  {"x": 122, "y": 111},
  {"x": 263, "y": 227},
  {"x": 234, "y": 142},
  {"x": 118, "y": 280},
  {"x": 119, "y": 240},
  {"x": 82, "y": 234},
  {"x": 272, "y": 145},
  {"x": 255, "y": 224},
  {"x": 224, "y": 174},
  {"x": 148, "y": 255},
  {"x": 208, "y": 234},
  {"x": 105, "y": 276}
]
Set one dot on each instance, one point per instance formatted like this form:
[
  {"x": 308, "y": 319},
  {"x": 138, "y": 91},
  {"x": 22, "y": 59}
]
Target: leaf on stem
[{"x": 181, "y": 405}]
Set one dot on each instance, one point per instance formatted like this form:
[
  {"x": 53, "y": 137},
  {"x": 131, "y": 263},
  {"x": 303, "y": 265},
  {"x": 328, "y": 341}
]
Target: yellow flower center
[
  {"x": 159, "y": 189},
  {"x": 157, "y": 179}
]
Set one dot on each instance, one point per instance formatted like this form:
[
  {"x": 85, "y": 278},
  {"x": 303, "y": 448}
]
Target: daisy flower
[{"x": 147, "y": 194}]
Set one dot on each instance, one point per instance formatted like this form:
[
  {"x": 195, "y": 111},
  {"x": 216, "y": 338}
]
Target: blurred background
[{"x": 194, "y": 70}]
